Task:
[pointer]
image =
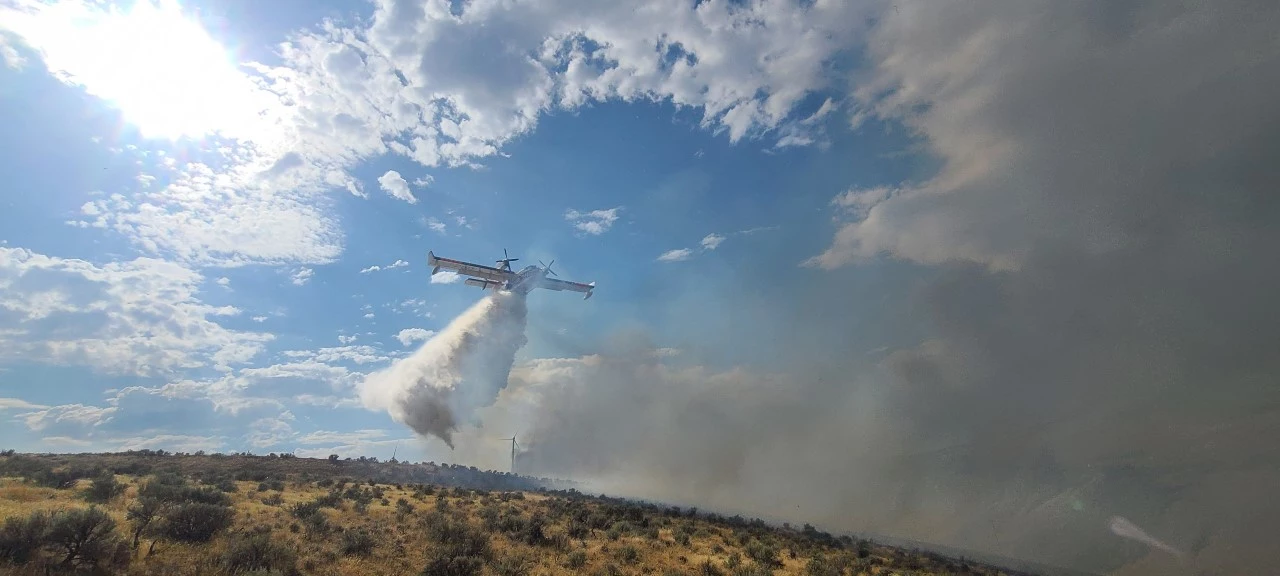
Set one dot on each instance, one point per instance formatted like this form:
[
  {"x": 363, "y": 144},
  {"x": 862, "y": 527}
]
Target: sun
[{"x": 164, "y": 72}]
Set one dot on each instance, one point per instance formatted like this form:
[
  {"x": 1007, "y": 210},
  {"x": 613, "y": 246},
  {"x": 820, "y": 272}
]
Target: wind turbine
[{"x": 514, "y": 445}]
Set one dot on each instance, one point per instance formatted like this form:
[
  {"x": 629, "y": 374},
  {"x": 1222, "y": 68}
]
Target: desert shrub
[
  {"x": 576, "y": 559},
  {"x": 439, "y": 563},
  {"x": 461, "y": 550},
  {"x": 708, "y": 568},
  {"x": 356, "y": 543},
  {"x": 734, "y": 561},
  {"x": 85, "y": 539},
  {"x": 533, "y": 533},
  {"x": 273, "y": 499},
  {"x": 325, "y": 483},
  {"x": 577, "y": 530},
  {"x": 403, "y": 508},
  {"x": 59, "y": 479},
  {"x": 142, "y": 515},
  {"x": 316, "y": 524},
  {"x": 174, "y": 490},
  {"x": 257, "y": 552},
  {"x": 226, "y": 485},
  {"x": 514, "y": 564},
  {"x": 627, "y": 554},
  {"x": 104, "y": 488},
  {"x": 763, "y": 554},
  {"x": 196, "y": 521},
  {"x": 276, "y": 485},
  {"x": 21, "y": 538}
]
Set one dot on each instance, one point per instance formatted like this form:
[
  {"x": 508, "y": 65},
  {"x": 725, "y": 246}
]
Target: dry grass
[{"x": 622, "y": 538}]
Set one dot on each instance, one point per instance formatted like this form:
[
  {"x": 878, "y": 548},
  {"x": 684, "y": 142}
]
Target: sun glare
[{"x": 162, "y": 70}]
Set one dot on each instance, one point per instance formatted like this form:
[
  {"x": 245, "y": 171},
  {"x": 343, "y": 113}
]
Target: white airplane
[{"x": 503, "y": 278}]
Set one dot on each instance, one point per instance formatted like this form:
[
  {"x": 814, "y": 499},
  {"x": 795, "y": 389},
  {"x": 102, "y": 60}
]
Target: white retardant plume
[
  {"x": 1121, "y": 526},
  {"x": 455, "y": 372}
]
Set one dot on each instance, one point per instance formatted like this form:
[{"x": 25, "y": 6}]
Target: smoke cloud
[
  {"x": 1095, "y": 279},
  {"x": 455, "y": 372}
]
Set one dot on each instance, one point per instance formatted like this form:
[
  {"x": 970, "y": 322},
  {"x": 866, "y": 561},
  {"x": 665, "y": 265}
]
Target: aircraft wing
[
  {"x": 482, "y": 272},
  {"x": 553, "y": 284}
]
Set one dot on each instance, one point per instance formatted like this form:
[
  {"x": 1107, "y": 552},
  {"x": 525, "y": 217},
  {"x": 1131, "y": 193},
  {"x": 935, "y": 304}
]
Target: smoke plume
[
  {"x": 1089, "y": 323},
  {"x": 457, "y": 371}
]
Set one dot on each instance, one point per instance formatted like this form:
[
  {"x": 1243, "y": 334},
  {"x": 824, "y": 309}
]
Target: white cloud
[
  {"x": 347, "y": 339},
  {"x": 259, "y": 319},
  {"x": 410, "y": 335},
  {"x": 395, "y": 186},
  {"x": 375, "y": 268},
  {"x": 328, "y": 401},
  {"x": 712, "y": 241},
  {"x": 411, "y": 80},
  {"x": 445, "y": 277},
  {"x": 424, "y": 181},
  {"x": 18, "y": 404},
  {"x": 329, "y": 437},
  {"x": 595, "y": 223},
  {"x": 302, "y": 276},
  {"x": 435, "y": 225},
  {"x": 12, "y": 59},
  {"x": 170, "y": 442},
  {"x": 223, "y": 282},
  {"x": 359, "y": 354},
  {"x": 369, "y": 315},
  {"x": 136, "y": 317},
  {"x": 676, "y": 255},
  {"x": 270, "y": 431}
]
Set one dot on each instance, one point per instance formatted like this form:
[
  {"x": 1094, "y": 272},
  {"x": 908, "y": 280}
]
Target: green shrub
[
  {"x": 142, "y": 514},
  {"x": 104, "y": 488},
  {"x": 85, "y": 539},
  {"x": 764, "y": 554},
  {"x": 196, "y": 521},
  {"x": 628, "y": 554},
  {"x": 21, "y": 538},
  {"x": 257, "y": 552},
  {"x": 576, "y": 559},
  {"x": 356, "y": 543},
  {"x": 515, "y": 564}
]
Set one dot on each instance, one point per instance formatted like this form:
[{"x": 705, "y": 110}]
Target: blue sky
[
  {"x": 979, "y": 273},
  {"x": 114, "y": 195}
]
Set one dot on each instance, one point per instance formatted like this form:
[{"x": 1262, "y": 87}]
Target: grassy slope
[{"x": 621, "y": 543}]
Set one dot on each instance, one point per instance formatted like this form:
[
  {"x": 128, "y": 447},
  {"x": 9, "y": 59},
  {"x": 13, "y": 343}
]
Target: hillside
[{"x": 149, "y": 513}]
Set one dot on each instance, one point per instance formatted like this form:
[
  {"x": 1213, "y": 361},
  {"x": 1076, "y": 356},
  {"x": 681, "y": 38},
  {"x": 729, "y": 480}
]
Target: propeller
[
  {"x": 506, "y": 259},
  {"x": 547, "y": 267}
]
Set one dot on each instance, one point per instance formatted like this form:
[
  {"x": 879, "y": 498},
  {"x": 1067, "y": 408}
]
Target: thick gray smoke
[
  {"x": 457, "y": 371},
  {"x": 1099, "y": 306}
]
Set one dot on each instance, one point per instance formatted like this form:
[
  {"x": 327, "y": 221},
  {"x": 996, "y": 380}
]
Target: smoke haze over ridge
[{"x": 1101, "y": 319}]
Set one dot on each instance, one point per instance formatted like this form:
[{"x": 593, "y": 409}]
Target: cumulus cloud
[
  {"x": 375, "y": 268},
  {"x": 414, "y": 80},
  {"x": 445, "y": 277},
  {"x": 137, "y": 317},
  {"x": 435, "y": 225},
  {"x": 677, "y": 255},
  {"x": 595, "y": 222},
  {"x": 395, "y": 186},
  {"x": 712, "y": 241},
  {"x": 410, "y": 335},
  {"x": 301, "y": 276}
]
